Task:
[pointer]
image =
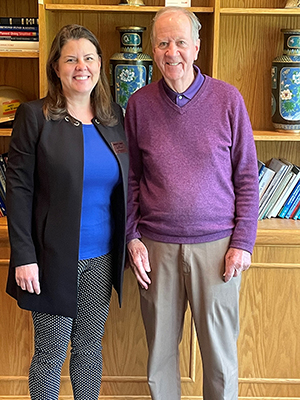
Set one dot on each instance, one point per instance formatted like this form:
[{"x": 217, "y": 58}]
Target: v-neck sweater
[{"x": 193, "y": 169}]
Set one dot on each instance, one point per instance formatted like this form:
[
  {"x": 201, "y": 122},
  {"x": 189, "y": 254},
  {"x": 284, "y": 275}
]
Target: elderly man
[{"x": 193, "y": 208}]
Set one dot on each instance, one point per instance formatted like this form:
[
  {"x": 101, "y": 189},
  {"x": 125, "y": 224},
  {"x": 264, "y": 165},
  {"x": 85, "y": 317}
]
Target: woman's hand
[{"x": 27, "y": 277}]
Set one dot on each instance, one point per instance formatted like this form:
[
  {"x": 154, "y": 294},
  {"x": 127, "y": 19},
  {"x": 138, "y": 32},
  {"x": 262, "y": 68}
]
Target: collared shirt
[{"x": 183, "y": 98}]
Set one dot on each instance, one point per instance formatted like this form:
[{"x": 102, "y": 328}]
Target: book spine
[
  {"x": 4, "y": 157},
  {"x": 293, "y": 206},
  {"x": 19, "y": 38},
  {"x": 2, "y": 208},
  {"x": 289, "y": 201},
  {"x": 265, "y": 180},
  {"x": 14, "y": 45},
  {"x": 28, "y": 21},
  {"x": 295, "y": 210},
  {"x": 18, "y": 33},
  {"x": 30, "y": 28},
  {"x": 261, "y": 172},
  {"x": 2, "y": 184},
  {"x": 3, "y": 162},
  {"x": 297, "y": 215},
  {"x": 2, "y": 188},
  {"x": 290, "y": 187}
]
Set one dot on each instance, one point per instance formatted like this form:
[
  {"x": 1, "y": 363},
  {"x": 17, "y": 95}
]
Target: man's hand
[
  {"x": 236, "y": 261},
  {"x": 27, "y": 277},
  {"x": 139, "y": 262}
]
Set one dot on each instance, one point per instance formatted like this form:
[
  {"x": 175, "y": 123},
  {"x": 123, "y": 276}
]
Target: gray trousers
[{"x": 191, "y": 273}]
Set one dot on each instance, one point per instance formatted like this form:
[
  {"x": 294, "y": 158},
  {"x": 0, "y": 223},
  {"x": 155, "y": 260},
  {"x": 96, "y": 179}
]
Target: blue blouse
[{"x": 100, "y": 176}]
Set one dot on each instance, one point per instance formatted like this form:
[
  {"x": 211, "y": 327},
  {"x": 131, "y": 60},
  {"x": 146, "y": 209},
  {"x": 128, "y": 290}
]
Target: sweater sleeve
[
  {"x": 245, "y": 178},
  {"x": 135, "y": 173},
  {"x": 20, "y": 185}
]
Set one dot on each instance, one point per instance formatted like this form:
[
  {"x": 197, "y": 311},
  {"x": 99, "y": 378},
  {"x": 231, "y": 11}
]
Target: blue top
[{"x": 100, "y": 176}]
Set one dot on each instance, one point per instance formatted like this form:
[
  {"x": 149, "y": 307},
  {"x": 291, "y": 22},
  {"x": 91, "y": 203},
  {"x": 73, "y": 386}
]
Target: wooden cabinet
[{"x": 239, "y": 40}]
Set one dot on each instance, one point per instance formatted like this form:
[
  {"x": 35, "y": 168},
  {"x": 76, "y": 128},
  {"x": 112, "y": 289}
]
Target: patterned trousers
[{"x": 54, "y": 332}]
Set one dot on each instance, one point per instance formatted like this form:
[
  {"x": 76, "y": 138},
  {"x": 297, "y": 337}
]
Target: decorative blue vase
[
  {"x": 131, "y": 69},
  {"x": 286, "y": 84}
]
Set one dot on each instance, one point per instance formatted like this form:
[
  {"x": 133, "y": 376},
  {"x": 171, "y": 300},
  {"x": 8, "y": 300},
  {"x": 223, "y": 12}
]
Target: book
[
  {"x": 293, "y": 206},
  {"x": 17, "y": 33},
  {"x": 289, "y": 201},
  {"x": 16, "y": 45},
  {"x": 29, "y": 28},
  {"x": 272, "y": 208},
  {"x": 27, "y": 21},
  {"x": 2, "y": 208},
  {"x": 3, "y": 164},
  {"x": 2, "y": 189},
  {"x": 293, "y": 177},
  {"x": 297, "y": 215},
  {"x": 261, "y": 167},
  {"x": 20, "y": 38},
  {"x": 5, "y": 159},
  {"x": 265, "y": 180},
  {"x": 2, "y": 185},
  {"x": 295, "y": 210},
  {"x": 280, "y": 169}
]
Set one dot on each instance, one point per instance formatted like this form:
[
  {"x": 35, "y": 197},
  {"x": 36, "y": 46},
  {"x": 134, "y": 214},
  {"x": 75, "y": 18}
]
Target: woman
[{"x": 66, "y": 202}]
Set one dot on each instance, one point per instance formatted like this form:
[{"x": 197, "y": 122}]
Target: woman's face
[{"x": 78, "y": 68}]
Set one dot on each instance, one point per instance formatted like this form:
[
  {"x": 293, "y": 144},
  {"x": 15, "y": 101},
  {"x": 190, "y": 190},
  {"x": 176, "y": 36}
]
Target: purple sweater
[{"x": 193, "y": 169}]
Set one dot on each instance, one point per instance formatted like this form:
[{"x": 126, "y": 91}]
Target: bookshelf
[{"x": 239, "y": 40}]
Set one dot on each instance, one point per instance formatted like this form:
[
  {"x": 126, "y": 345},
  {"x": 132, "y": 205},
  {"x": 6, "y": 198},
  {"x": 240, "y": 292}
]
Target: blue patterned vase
[
  {"x": 286, "y": 84},
  {"x": 131, "y": 69}
]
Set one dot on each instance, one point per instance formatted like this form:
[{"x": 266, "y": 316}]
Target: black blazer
[{"x": 44, "y": 192}]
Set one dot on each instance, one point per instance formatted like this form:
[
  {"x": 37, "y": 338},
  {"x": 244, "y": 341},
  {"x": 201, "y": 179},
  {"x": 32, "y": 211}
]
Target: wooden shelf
[
  {"x": 278, "y": 232},
  {"x": 276, "y": 136},
  {"x": 3, "y": 229},
  {"x": 262, "y": 11},
  {"x": 5, "y": 132},
  {"x": 259, "y": 136},
  {"x": 271, "y": 232},
  {"x": 116, "y": 8},
  {"x": 3, "y": 222},
  {"x": 19, "y": 54}
]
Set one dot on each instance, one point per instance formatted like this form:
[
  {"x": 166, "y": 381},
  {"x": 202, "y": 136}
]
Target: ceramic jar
[
  {"x": 286, "y": 84},
  {"x": 130, "y": 69},
  {"x": 292, "y": 4}
]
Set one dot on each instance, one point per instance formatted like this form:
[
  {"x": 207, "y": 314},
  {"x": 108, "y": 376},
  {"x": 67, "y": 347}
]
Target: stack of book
[
  {"x": 19, "y": 34},
  {"x": 3, "y": 164},
  {"x": 279, "y": 189}
]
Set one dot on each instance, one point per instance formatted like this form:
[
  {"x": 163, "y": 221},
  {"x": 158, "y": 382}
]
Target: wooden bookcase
[{"x": 239, "y": 40}]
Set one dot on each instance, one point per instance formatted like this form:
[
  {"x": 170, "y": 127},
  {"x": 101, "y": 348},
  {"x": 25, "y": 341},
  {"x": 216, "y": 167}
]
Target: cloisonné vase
[
  {"x": 286, "y": 84},
  {"x": 130, "y": 69},
  {"x": 292, "y": 4}
]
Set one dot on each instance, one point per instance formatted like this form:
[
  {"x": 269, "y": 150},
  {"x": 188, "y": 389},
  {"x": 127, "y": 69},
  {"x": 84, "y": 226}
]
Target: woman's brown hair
[{"x": 55, "y": 105}]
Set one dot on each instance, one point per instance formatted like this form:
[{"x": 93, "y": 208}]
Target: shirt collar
[{"x": 186, "y": 96}]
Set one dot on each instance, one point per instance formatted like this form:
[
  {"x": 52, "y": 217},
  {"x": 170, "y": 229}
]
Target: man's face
[{"x": 174, "y": 50}]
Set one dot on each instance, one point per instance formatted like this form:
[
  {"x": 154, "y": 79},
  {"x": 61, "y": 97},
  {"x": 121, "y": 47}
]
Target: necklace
[{"x": 83, "y": 117}]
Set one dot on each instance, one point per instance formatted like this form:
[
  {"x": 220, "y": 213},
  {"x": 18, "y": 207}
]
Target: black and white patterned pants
[{"x": 53, "y": 333}]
